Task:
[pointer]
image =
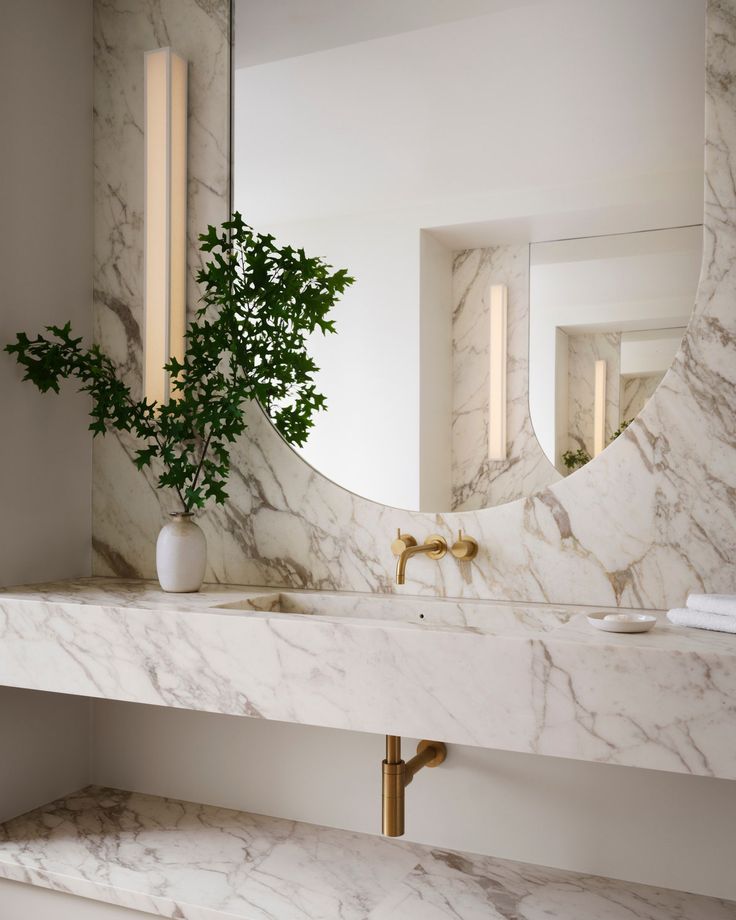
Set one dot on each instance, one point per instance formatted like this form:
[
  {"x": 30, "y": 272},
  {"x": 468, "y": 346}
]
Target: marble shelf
[
  {"x": 528, "y": 678},
  {"x": 196, "y": 862}
]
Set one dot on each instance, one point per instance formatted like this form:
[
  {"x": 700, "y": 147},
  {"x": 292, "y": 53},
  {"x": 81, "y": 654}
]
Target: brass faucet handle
[
  {"x": 402, "y": 542},
  {"x": 465, "y": 548}
]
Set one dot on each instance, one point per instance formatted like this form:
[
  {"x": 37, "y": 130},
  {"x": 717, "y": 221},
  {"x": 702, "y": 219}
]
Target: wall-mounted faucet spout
[{"x": 405, "y": 546}]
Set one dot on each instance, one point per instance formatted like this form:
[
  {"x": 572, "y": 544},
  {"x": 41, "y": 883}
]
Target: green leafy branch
[
  {"x": 248, "y": 341},
  {"x": 574, "y": 459},
  {"x": 620, "y": 430}
]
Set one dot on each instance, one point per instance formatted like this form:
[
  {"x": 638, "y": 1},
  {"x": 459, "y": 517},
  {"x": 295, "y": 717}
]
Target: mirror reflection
[
  {"x": 432, "y": 147},
  {"x": 607, "y": 315}
]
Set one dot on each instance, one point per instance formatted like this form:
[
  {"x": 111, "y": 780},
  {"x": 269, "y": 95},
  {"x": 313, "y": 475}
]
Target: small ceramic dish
[{"x": 622, "y": 622}]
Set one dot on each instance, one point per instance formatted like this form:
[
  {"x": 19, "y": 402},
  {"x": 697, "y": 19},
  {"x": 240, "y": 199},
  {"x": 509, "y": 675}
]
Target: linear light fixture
[
  {"x": 165, "y": 133},
  {"x": 498, "y": 305},
  {"x": 599, "y": 408}
]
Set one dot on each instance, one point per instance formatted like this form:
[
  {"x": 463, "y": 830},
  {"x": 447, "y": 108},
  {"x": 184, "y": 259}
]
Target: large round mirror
[{"x": 517, "y": 187}]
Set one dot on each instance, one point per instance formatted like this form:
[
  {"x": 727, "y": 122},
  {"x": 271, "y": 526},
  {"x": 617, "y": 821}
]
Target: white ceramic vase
[{"x": 181, "y": 554}]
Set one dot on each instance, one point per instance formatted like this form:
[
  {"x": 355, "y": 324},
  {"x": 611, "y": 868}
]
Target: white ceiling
[{"x": 270, "y": 30}]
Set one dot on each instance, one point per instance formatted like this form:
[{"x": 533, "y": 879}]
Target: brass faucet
[
  {"x": 397, "y": 775},
  {"x": 405, "y": 546}
]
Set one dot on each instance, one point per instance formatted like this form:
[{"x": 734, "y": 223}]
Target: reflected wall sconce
[
  {"x": 599, "y": 408},
  {"x": 498, "y": 307},
  {"x": 165, "y": 134}
]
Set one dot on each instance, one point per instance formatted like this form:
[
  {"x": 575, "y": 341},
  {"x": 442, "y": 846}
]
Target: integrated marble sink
[
  {"x": 522, "y": 677},
  {"x": 488, "y": 618}
]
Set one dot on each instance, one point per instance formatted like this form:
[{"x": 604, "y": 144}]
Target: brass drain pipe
[{"x": 397, "y": 775}]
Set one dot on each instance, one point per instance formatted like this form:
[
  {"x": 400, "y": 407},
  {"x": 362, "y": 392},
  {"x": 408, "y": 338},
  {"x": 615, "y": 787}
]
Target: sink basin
[{"x": 487, "y": 617}]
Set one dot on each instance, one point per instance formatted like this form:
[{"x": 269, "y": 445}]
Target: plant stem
[
  {"x": 154, "y": 435},
  {"x": 201, "y": 459}
]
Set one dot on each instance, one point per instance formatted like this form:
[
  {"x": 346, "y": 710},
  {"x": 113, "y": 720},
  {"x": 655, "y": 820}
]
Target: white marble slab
[
  {"x": 528, "y": 678},
  {"x": 194, "y": 862}
]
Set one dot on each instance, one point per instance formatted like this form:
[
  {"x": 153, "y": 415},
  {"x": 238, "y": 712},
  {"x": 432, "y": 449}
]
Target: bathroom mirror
[{"x": 434, "y": 148}]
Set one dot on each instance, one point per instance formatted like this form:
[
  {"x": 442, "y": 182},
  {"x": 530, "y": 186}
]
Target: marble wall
[
  {"x": 583, "y": 351},
  {"x": 635, "y": 393},
  {"x": 125, "y": 504},
  {"x": 648, "y": 520},
  {"x": 478, "y": 482}
]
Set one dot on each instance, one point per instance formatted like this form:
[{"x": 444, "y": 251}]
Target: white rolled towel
[
  {"x": 723, "y": 604},
  {"x": 701, "y": 619}
]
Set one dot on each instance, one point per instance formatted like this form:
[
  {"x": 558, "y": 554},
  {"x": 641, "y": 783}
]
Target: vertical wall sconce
[
  {"x": 599, "y": 408},
  {"x": 165, "y": 132},
  {"x": 497, "y": 375}
]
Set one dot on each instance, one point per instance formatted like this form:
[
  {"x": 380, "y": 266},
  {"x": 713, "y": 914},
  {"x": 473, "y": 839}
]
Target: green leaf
[{"x": 249, "y": 340}]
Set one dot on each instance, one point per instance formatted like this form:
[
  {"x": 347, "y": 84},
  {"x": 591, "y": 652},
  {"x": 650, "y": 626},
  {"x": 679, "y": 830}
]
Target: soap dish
[{"x": 622, "y": 622}]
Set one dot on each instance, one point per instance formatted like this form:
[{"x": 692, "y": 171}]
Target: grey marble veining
[
  {"x": 533, "y": 679},
  {"x": 651, "y": 518},
  {"x": 636, "y": 392},
  {"x": 460, "y": 886},
  {"x": 196, "y": 862},
  {"x": 477, "y": 481}
]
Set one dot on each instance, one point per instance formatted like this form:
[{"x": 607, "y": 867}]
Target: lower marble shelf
[{"x": 196, "y": 862}]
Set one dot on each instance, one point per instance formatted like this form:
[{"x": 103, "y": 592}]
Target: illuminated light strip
[
  {"x": 165, "y": 133},
  {"x": 498, "y": 308}
]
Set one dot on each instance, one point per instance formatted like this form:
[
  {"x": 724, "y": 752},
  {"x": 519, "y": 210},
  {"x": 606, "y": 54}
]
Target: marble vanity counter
[
  {"x": 194, "y": 862},
  {"x": 529, "y": 678}
]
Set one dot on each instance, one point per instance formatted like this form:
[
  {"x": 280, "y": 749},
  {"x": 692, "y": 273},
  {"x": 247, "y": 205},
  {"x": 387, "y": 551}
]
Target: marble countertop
[
  {"x": 530, "y": 678},
  {"x": 195, "y": 862}
]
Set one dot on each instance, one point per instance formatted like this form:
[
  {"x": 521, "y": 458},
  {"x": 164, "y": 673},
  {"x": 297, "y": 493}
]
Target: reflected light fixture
[
  {"x": 165, "y": 134},
  {"x": 599, "y": 408},
  {"x": 498, "y": 304}
]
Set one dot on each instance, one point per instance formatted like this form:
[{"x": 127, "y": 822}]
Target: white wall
[
  {"x": 45, "y": 748},
  {"x": 649, "y": 352},
  {"x": 478, "y": 127},
  {"x": 435, "y": 376},
  {"x": 370, "y": 369},
  {"x": 640, "y": 825},
  {"x": 46, "y": 186}
]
